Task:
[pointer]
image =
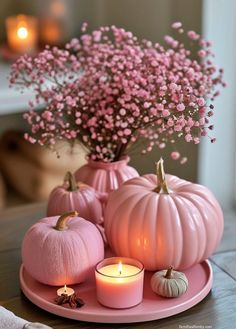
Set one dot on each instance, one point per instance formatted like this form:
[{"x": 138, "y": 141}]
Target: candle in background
[
  {"x": 51, "y": 31},
  {"x": 53, "y": 23},
  {"x": 119, "y": 282},
  {"x": 22, "y": 34},
  {"x": 65, "y": 291}
]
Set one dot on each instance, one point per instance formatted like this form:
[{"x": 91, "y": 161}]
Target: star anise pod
[
  {"x": 75, "y": 301},
  {"x": 63, "y": 299}
]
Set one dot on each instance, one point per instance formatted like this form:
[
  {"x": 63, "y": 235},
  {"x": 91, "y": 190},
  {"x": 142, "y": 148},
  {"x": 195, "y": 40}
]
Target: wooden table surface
[{"x": 216, "y": 311}]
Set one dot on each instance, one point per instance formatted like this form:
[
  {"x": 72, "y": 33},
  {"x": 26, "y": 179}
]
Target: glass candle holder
[
  {"x": 119, "y": 282},
  {"x": 22, "y": 34}
]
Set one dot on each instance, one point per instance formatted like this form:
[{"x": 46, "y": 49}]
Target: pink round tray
[{"x": 153, "y": 307}]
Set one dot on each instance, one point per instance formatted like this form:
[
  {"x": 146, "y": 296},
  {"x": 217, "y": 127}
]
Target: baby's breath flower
[{"x": 108, "y": 89}]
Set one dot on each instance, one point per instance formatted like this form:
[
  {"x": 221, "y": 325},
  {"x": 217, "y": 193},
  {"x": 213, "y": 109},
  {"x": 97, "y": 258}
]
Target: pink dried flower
[
  {"x": 201, "y": 101},
  {"x": 108, "y": 89},
  {"x": 193, "y": 35},
  {"x": 188, "y": 138},
  {"x": 162, "y": 145},
  {"x": 175, "y": 155},
  {"x": 165, "y": 113},
  {"x": 201, "y": 53},
  {"x": 180, "y": 107},
  {"x": 176, "y": 25}
]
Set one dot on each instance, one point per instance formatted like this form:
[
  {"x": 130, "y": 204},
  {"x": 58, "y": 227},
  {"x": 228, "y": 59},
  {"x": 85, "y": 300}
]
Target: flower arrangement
[{"x": 110, "y": 90}]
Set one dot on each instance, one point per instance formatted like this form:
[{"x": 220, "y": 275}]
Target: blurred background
[{"x": 28, "y": 173}]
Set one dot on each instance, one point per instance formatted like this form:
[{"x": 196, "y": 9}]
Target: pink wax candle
[{"x": 119, "y": 282}]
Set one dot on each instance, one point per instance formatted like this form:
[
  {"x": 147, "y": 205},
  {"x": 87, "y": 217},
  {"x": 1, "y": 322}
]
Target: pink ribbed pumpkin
[
  {"x": 62, "y": 250},
  {"x": 163, "y": 221},
  {"x": 76, "y": 196},
  {"x": 106, "y": 176}
]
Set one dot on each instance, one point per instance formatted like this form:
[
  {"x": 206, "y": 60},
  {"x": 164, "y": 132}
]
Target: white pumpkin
[{"x": 169, "y": 283}]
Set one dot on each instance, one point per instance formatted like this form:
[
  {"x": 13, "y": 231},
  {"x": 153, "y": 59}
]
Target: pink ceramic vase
[{"x": 106, "y": 177}]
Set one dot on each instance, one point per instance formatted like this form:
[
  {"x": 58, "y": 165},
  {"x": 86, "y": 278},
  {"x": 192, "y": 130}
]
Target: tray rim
[{"x": 83, "y": 315}]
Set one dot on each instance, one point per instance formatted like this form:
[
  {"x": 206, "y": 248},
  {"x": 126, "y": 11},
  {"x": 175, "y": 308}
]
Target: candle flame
[
  {"x": 22, "y": 32},
  {"x": 120, "y": 268},
  {"x": 65, "y": 289}
]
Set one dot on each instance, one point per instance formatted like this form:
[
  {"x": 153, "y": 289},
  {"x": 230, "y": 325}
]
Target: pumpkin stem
[
  {"x": 168, "y": 273},
  {"x": 162, "y": 184},
  {"x": 62, "y": 220},
  {"x": 70, "y": 179}
]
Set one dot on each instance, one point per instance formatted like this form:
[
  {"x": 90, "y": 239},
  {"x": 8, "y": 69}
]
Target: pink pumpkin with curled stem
[
  {"x": 76, "y": 196},
  {"x": 62, "y": 250},
  {"x": 163, "y": 221}
]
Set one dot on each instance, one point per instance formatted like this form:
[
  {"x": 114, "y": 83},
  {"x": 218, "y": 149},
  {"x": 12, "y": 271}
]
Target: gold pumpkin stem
[
  {"x": 70, "y": 179},
  {"x": 63, "y": 219},
  {"x": 168, "y": 273},
  {"x": 162, "y": 184}
]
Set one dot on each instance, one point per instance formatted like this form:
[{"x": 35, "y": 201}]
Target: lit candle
[
  {"x": 119, "y": 282},
  {"x": 65, "y": 291},
  {"x": 22, "y": 34}
]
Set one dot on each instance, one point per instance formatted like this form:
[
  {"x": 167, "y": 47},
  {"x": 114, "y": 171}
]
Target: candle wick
[{"x": 120, "y": 268}]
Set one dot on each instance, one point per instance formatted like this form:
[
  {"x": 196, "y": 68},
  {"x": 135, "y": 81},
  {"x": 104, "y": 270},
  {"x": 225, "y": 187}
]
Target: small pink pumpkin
[
  {"x": 76, "y": 196},
  {"x": 106, "y": 177},
  {"x": 163, "y": 221},
  {"x": 62, "y": 250}
]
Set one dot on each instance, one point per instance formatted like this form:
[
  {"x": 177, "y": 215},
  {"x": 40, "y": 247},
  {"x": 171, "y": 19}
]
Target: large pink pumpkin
[
  {"x": 170, "y": 222},
  {"x": 106, "y": 176},
  {"x": 62, "y": 250},
  {"x": 76, "y": 196}
]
